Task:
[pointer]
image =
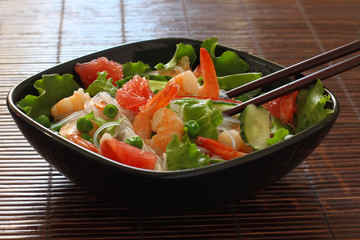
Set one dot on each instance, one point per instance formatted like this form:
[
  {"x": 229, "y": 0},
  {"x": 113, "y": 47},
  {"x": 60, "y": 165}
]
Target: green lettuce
[
  {"x": 181, "y": 51},
  {"x": 132, "y": 68},
  {"x": 181, "y": 155},
  {"x": 276, "y": 124},
  {"x": 311, "y": 106},
  {"x": 156, "y": 86},
  {"x": 101, "y": 84},
  {"x": 232, "y": 81},
  {"x": 279, "y": 135},
  {"x": 201, "y": 111},
  {"x": 51, "y": 88},
  {"x": 228, "y": 63}
]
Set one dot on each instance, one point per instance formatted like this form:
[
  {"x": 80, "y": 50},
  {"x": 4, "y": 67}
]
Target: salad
[{"x": 169, "y": 116}]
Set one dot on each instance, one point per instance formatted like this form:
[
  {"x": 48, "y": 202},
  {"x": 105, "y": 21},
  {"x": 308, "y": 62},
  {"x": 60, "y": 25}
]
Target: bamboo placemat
[{"x": 318, "y": 200}]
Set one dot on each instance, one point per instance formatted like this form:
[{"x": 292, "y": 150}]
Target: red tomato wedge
[
  {"x": 134, "y": 94},
  {"x": 88, "y": 70},
  {"x": 283, "y": 107},
  {"x": 127, "y": 154},
  {"x": 218, "y": 148}
]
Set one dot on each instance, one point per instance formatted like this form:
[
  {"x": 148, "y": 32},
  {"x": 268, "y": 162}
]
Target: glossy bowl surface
[{"x": 175, "y": 191}]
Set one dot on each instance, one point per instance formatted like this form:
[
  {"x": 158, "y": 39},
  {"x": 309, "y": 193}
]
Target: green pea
[
  {"x": 84, "y": 125},
  {"x": 193, "y": 128},
  {"x": 110, "y": 110},
  {"x": 43, "y": 120},
  {"x": 85, "y": 136},
  {"x": 134, "y": 141}
]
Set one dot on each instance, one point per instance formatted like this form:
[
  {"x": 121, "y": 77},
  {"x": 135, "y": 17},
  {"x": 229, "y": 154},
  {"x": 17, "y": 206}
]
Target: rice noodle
[
  {"x": 90, "y": 106},
  {"x": 229, "y": 134},
  {"x": 230, "y": 122},
  {"x": 223, "y": 95},
  {"x": 72, "y": 117},
  {"x": 104, "y": 126}
]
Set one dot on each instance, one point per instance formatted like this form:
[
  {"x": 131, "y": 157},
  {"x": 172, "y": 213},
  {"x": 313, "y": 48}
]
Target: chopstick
[{"x": 299, "y": 83}]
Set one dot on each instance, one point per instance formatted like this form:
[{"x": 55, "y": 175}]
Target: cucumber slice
[
  {"x": 223, "y": 105},
  {"x": 255, "y": 125}
]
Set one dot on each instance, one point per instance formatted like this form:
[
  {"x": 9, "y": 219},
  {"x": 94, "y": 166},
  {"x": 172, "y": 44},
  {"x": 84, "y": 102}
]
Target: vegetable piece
[
  {"x": 193, "y": 128},
  {"x": 43, "y": 120},
  {"x": 255, "y": 126},
  {"x": 223, "y": 105},
  {"x": 133, "y": 68},
  {"x": 218, "y": 148},
  {"x": 156, "y": 86},
  {"x": 232, "y": 81},
  {"x": 184, "y": 155},
  {"x": 84, "y": 125},
  {"x": 102, "y": 84},
  {"x": 135, "y": 141},
  {"x": 276, "y": 125},
  {"x": 202, "y": 111},
  {"x": 126, "y": 154},
  {"x": 279, "y": 135},
  {"x": 52, "y": 88},
  {"x": 134, "y": 94},
  {"x": 311, "y": 106},
  {"x": 85, "y": 136},
  {"x": 228, "y": 63},
  {"x": 181, "y": 51},
  {"x": 88, "y": 70},
  {"x": 110, "y": 110},
  {"x": 283, "y": 107}
]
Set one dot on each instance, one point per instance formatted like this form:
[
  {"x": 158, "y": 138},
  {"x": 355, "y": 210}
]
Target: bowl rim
[{"x": 174, "y": 173}]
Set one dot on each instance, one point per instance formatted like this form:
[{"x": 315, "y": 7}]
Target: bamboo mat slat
[{"x": 320, "y": 199}]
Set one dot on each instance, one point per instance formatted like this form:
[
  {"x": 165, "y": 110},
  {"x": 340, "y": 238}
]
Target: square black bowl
[{"x": 156, "y": 192}]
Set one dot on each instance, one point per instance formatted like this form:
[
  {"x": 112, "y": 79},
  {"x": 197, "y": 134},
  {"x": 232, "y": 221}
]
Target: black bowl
[{"x": 174, "y": 191}]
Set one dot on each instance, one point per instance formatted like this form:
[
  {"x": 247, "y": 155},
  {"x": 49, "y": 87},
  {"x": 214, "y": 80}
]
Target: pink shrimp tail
[
  {"x": 211, "y": 86},
  {"x": 141, "y": 124}
]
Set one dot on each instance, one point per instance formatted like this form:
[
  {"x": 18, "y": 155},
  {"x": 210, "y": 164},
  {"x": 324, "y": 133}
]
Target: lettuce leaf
[
  {"x": 201, "y": 111},
  {"x": 232, "y": 81},
  {"x": 279, "y": 135},
  {"x": 101, "y": 84},
  {"x": 156, "y": 86},
  {"x": 51, "y": 88},
  {"x": 132, "y": 68},
  {"x": 311, "y": 106},
  {"x": 184, "y": 155},
  {"x": 228, "y": 63},
  {"x": 181, "y": 51}
]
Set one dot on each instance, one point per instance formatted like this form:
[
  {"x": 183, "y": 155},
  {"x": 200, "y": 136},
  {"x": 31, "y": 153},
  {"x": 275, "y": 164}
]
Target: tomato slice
[
  {"x": 88, "y": 70},
  {"x": 127, "y": 154},
  {"x": 218, "y": 148},
  {"x": 134, "y": 94},
  {"x": 283, "y": 107}
]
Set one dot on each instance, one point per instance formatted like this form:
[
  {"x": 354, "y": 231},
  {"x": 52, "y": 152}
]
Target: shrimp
[
  {"x": 70, "y": 131},
  {"x": 155, "y": 117},
  {"x": 233, "y": 139},
  {"x": 141, "y": 123},
  {"x": 211, "y": 87},
  {"x": 67, "y": 106},
  {"x": 188, "y": 82},
  {"x": 165, "y": 123}
]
